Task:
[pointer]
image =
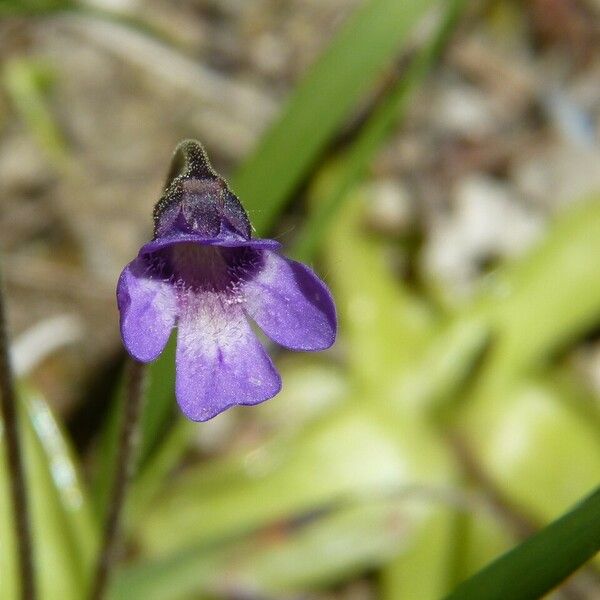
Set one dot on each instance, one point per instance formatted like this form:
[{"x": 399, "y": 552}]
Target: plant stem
[
  {"x": 15, "y": 464},
  {"x": 126, "y": 458}
]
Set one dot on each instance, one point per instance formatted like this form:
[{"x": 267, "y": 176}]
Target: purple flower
[{"x": 204, "y": 274}]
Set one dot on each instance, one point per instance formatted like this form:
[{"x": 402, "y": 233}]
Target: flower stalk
[
  {"x": 14, "y": 459},
  {"x": 125, "y": 465}
]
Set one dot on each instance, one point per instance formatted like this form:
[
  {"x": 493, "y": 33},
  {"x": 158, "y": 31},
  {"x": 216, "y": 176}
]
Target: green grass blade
[
  {"x": 357, "y": 453},
  {"x": 24, "y": 81},
  {"x": 373, "y": 133},
  {"x": 540, "y": 563},
  {"x": 321, "y": 103},
  {"x": 64, "y": 532},
  {"x": 297, "y": 559},
  {"x": 419, "y": 570},
  {"x": 159, "y": 408},
  {"x": 542, "y": 302},
  {"x": 10, "y": 8},
  {"x": 65, "y": 471},
  {"x": 359, "y": 276}
]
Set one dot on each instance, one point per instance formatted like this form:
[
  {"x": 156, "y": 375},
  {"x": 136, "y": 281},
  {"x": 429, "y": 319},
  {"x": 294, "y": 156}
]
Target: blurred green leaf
[
  {"x": 384, "y": 323},
  {"x": 9, "y": 585},
  {"x": 540, "y": 303},
  {"x": 33, "y": 7},
  {"x": 353, "y": 164},
  {"x": 478, "y": 537},
  {"x": 420, "y": 569},
  {"x": 540, "y": 563},
  {"x": 24, "y": 81},
  {"x": 159, "y": 410},
  {"x": 289, "y": 558},
  {"x": 398, "y": 349},
  {"x": 313, "y": 387},
  {"x": 357, "y": 452},
  {"x": 435, "y": 372},
  {"x": 536, "y": 439},
  {"x": 542, "y": 453},
  {"x": 160, "y": 464},
  {"x": 65, "y": 473},
  {"x": 321, "y": 103},
  {"x": 64, "y": 531},
  {"x": 539, "y": 449}
]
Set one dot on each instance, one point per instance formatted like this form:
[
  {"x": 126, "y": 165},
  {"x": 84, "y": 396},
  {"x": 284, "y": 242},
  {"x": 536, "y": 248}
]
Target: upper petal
[
  {"x": 226, "y": 242},
  {"x": 148, "y": 310},
  {"x": 219, "y": 360},
  {"x": 291, "y": 304},
  {"x": 196, "y": 199}
]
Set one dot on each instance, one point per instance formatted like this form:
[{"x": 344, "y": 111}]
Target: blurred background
[{"x": 436, "y": 162}]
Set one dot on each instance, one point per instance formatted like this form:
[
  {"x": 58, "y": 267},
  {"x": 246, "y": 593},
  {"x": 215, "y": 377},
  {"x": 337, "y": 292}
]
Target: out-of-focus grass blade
[
  {"x": 541, "y": 452},
  {"x": 394, "y": 342},
  {"x": 66, "y": 477},
  {"x": 535, "y": 307},
  {"x": 160, "y": 464},
  {"x": 288, "y": 559},
  {"x": 529, "y": 309},
  {"x": 159, "y": 408},
  {"x": 419, "y": 570},
  {"x": 63, "y": 528},
  {"x": 384, "y": 323},
  {"x": 357, "y": 452},
  {"x": 23, "y": 80},
  {"x": 546, "y": 299},
  {"x": 9, "y": 585},
  {"x": 33, "y": 7},
  {"x": 314, "y": 386},
  {"x": 320, "y": 104},
  {"x": 355, "y": 161},
  {"x": 312, "y": 389},
  {"x": 272, "y": 482},
  {"x": 540, "y": 563},
  {"x": 477, "y": 539}
]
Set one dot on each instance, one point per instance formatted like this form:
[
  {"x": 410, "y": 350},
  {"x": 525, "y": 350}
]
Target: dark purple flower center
[{"x": 202, "y": 268}]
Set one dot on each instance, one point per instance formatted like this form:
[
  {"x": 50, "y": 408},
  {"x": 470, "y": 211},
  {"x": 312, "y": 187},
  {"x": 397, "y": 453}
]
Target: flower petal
[
  {"x": 225, "y": 242},
  {"x": 291, "y": 304},
  {"x": 219, "y": 361},
  {"x": 148, "y": 310}
]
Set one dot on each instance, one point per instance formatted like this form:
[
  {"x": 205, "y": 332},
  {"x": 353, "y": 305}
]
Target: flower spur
[{"x": 204, "y": 274}]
